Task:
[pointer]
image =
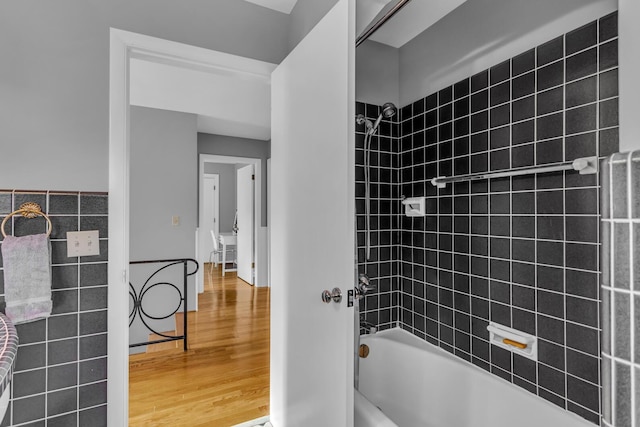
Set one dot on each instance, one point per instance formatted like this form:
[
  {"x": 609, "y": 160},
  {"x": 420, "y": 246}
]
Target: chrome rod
[
  {"x": 369, "y": 32},
  {"x": 585, "y": 165}
]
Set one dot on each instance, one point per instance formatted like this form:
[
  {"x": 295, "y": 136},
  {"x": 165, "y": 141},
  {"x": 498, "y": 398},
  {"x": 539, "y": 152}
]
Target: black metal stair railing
[{"x": 137, "y": 309}]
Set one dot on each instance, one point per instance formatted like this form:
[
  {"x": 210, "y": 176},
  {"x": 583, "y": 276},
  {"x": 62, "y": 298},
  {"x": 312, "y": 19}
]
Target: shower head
[{"x": 388, "y": 110}]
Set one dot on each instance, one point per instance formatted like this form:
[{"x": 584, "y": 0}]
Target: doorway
[
  {"x": 325, "y": 58},
  {"x": 126, "y": 47},
  {"x": 259, "y": 253}
]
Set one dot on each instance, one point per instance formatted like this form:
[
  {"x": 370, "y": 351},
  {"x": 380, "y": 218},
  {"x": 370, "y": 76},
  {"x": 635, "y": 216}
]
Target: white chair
[
  {"x": 218, "y": 249},
  {"x": 214, "y": 256},
  {"x": 228, "y": 244}
]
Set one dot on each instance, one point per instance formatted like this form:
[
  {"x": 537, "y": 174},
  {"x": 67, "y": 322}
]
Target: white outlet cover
[{"x": 83, "y": 243}]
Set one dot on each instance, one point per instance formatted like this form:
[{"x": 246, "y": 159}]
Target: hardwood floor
[{"x": 223, "y": 379}]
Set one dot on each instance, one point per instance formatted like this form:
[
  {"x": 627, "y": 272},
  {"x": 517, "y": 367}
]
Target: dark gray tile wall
[
  {"x": 522, "y": 251},
  {"x": 60, "y": 372},
  {"x": 379, "y": 308}
]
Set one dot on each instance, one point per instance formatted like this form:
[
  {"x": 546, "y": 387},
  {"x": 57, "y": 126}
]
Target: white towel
[{"x": 27, "y": 277}]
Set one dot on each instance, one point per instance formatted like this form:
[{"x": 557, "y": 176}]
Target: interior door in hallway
[
  {"x": 245, "y": 222},
  {"x": 211, "y": 218}
]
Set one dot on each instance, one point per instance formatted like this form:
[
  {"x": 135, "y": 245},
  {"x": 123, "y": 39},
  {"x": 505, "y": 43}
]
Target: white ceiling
[
  {"x": 415, "y": 17},
  {"x": 284, "y": 6}
]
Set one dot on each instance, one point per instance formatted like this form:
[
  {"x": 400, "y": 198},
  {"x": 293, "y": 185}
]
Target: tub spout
[{"x": 368, "y": 326}]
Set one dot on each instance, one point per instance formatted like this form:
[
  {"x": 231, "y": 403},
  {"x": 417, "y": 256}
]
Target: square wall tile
[{"x": 46, "y": 378}]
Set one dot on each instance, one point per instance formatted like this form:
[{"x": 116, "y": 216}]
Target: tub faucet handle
[{"x": 364, "y": 285}]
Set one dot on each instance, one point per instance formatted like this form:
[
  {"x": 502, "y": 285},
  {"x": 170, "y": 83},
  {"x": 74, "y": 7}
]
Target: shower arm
[{"x": 375, "y": 27}]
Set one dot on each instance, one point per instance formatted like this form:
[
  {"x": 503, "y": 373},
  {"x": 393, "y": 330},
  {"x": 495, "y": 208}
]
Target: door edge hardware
[
  {"x": 326, "y": 296},
  {"x": 336, "y": 294}
]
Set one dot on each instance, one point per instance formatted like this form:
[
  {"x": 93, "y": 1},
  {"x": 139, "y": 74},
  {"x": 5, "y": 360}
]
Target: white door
[
  {"x": 211, "y": 213},
  {"x": 312, "y": 244},
  {"x": 208, "y": 220},
  {"x": 244, "y": 211}
]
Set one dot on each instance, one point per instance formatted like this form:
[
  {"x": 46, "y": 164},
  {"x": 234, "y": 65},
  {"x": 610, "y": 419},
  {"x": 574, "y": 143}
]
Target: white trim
[
  {"x": 123, "y": 47},
  {"x": 165, "y": 51},
  {"x": 118, "y": 261},
  {"x": 254, "y": 423}
]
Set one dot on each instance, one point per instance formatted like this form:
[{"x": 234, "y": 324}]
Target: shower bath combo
[{"x": 364, "y": 286}]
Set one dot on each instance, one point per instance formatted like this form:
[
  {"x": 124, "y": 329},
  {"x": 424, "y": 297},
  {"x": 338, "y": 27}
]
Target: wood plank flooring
[{"x": 223, "y": 379}]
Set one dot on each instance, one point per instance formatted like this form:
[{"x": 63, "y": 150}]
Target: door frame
[
  {"x": 259, "y": 258},
  {"x": 124, "y": 46}
]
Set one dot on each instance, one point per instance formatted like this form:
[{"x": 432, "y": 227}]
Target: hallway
[{"x": 223, "y": 379}]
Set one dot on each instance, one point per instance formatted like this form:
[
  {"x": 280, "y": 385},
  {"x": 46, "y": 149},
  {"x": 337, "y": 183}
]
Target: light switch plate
[{"x": 83, "y": 243}]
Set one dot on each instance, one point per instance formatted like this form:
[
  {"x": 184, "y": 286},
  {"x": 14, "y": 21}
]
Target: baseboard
[{"x": 253, "y": 423}]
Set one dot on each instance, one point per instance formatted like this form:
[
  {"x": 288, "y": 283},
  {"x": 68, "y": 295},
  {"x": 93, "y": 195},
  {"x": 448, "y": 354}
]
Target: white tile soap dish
[
  {"x": 414, "y": 206},
  {"x": 513, "y": 340}
]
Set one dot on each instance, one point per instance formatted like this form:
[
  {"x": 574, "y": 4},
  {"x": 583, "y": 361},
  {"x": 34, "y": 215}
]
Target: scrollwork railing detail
[{"x": 137, "y": 297}]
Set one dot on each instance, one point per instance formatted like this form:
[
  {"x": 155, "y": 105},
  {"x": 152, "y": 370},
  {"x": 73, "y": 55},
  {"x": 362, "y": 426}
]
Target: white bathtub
[{"x": 417, "y": 384}]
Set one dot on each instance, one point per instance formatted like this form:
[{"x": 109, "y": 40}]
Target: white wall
[
  {"x": 163, "y": 184},
  {"x": 54, "y": 76},
  {"x": 227, "y": 192},
  {"x": 629, "y": 57},
  {"x": 483, "y": 33}
]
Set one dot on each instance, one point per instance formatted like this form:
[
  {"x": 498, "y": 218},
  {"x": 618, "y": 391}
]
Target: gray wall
[
  {"x": 482, "y": 33},
  {"x": 55, "y": 78},
  {"x": 462, "y": 44},
  {"x": 304, "y": 16},
  {"x": 239, "y": 147},
  {"x": 163, "y": 184},
  {"x": 227, "y": 183},
  {"x": 629, "y": 72},
  {"x": 377, "y": 73}
]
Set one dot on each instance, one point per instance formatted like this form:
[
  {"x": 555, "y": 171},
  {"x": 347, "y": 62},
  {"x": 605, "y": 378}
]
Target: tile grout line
[
  {"x": 612, "y": 297},
  {"x": 564, "y": 210}
]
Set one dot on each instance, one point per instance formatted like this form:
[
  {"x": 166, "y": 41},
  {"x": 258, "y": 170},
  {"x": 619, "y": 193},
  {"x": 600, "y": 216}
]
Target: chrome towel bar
[{"x": 584, "y": 165}]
